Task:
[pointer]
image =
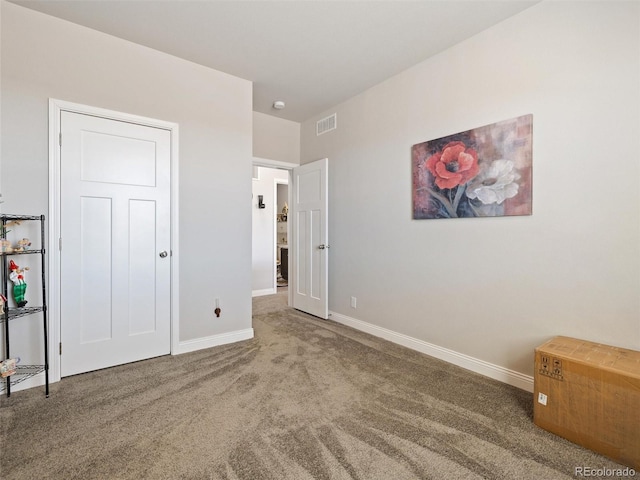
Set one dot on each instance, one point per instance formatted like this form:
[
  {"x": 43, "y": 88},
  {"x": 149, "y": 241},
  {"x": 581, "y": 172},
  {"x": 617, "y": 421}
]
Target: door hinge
[
  {"x": 60, "y": 243},
  {"x": 60, "y": 348},
  {"x": 60, "y": 139}
]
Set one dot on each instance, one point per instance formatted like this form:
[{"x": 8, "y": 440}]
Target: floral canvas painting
[{"x": 484, "y": 172}]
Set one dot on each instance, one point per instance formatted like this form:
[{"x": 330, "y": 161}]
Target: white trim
[
  {"x": 213, "y": 341},
  {"x": 35, "y": 381},
  {"x": 53, "y": 280},
  {"x": 264, "y": 291},
  {"x": 265, "y": 162},
  {"x": 510, "y": 377}
]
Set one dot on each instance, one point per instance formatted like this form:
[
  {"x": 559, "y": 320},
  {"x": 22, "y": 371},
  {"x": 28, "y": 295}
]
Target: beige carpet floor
[{"x": 305, "y": 399}]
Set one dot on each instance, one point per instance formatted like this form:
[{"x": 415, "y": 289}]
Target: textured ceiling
[{"x": 310, "y": 54}]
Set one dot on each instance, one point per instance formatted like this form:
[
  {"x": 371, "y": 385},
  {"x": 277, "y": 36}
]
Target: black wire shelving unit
[{"x": 23, "y": 372}]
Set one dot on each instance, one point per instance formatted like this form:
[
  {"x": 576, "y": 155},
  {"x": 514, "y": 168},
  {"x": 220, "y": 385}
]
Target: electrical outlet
[{"x": 354, "y": 302}]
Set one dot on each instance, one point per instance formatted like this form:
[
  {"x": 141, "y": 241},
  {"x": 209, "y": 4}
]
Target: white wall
[
  {"x": 276, "y": 138},
  {"x": 263, "y": 258},
  {"x": 494, "y": 288},
  {"x": 45, "y": 57}
]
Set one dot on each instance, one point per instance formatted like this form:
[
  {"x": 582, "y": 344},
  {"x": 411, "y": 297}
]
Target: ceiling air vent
[{"x": 326, "y": 124}]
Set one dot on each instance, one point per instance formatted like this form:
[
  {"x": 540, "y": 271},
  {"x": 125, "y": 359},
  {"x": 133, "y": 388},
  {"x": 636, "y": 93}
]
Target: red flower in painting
[{"x": 454, "y": 165}]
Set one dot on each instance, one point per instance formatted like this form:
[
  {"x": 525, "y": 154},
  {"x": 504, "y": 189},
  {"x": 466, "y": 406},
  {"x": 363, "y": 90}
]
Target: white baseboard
[
  {"x": 35, "y": 381},
  {"x": 510, "y": 377},
  {"x": 213, "y": 341},
  {"x": 183, "y": 347},
  {"x": 266, "y": 291}
]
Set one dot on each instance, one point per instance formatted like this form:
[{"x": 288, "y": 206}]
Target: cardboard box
[{"x": 589, "y": 394}]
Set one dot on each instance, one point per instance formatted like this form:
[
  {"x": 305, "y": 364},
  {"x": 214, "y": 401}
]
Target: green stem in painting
[
  {"x": 459, "y": 192},
  {"x": 445, "y": 202}
]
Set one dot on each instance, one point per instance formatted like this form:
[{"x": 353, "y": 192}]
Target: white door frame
[
  {"x": 53, "y": 277},
  {"x": 265, "y": 162}
]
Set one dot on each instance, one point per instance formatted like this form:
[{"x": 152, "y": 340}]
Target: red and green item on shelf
[{"x": 16, "y": 275}]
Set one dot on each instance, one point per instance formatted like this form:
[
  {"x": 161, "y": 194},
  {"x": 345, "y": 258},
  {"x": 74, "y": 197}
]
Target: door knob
[
  {"x": 163, "y": 254},
  {"x": 323, "y": 246}
]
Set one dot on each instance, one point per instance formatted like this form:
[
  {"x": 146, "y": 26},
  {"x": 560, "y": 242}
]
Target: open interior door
[{"x": 310, "y": 237}]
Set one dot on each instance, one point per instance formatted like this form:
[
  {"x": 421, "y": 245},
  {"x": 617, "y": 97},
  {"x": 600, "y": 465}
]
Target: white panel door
[
  {"x": 115, "y": 230},
  {"x": 310, "y": 237}
]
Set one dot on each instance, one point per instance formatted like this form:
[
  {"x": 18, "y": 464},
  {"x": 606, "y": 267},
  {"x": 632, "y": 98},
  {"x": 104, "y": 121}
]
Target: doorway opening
[
  {"x": 307, "y": 235},
  {"x": 271, "y": 227},
  {"x": 282, "y": 234}
]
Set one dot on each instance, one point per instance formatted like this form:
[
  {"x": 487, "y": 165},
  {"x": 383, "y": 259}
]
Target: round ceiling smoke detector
[{"x": 278, "y": 104}]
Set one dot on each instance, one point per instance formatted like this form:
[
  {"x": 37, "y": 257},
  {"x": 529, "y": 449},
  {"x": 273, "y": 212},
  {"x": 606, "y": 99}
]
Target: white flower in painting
[{"x": 494, "y": 183}]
